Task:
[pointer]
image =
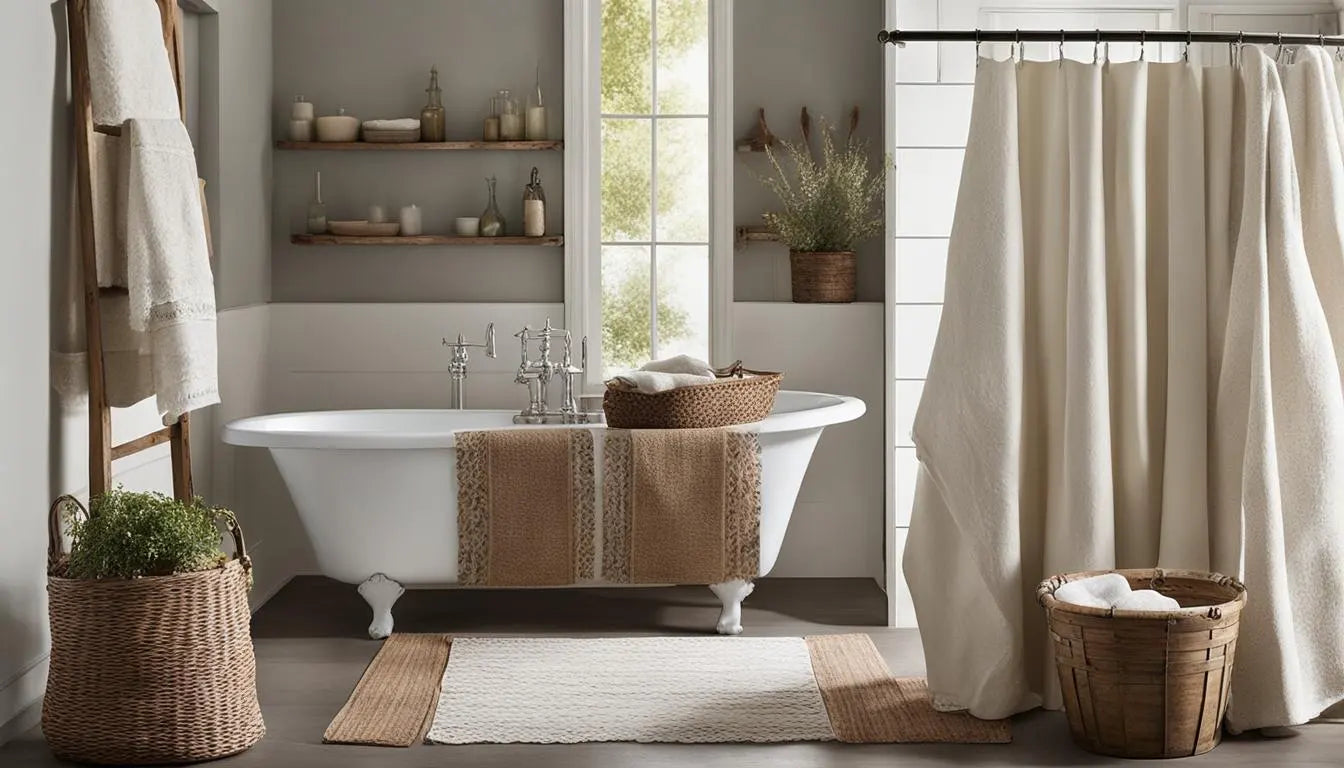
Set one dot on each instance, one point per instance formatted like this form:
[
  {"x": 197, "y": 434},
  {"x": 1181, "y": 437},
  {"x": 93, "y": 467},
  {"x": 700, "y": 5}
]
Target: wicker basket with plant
[
  {"x": 828, "y": 205},
  {"x": 151, "y": 645}
]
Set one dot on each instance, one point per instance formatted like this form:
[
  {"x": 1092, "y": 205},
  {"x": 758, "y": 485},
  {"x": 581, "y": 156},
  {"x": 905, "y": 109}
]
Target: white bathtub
[{"x": 377, "y": 489}]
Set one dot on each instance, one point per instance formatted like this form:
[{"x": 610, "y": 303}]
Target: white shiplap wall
[{"x": 931, "y": 88}]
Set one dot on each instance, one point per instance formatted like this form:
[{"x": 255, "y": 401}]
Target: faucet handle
[{"x": 462, "y": 342}]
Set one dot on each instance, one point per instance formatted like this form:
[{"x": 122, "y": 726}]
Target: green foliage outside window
[{"x": 627, "y": 185}]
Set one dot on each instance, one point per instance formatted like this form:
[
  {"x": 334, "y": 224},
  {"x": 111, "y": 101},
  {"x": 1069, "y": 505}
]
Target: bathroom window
[{"x": 655, "y": 180}]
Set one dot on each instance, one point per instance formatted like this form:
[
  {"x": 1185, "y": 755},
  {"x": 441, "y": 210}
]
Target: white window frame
[{"x": 583, "y": 180}]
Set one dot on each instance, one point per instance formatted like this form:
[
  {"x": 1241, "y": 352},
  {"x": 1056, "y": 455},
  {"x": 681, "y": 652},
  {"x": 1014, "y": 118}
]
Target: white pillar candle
[
  {"x": 377, "y": 214},
  {"x": 300, "y": 130},
  {"x": 410, "y": 220},
  {"x": 302, "y": 110},
  {"x": 511, "y": 127},
  {"x": 536, "y": 123}
]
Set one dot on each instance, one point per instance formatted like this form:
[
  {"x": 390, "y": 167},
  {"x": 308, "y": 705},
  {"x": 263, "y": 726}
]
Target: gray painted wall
[
  {"x": 33, "y": 153},
  {"x": 235, "y": 115},
  {"x": 44, "y": 452},
  {"x": 373, "y": 58},
  {"x": 822, "y": 54}
]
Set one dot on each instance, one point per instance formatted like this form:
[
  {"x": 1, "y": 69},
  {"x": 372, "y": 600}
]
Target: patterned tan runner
[
  {"x": 680, "y": 506},
  {"x": 525, "y": 507},
  {"x": 869, "y": 706},
  {"x": 394, "y": 704}
]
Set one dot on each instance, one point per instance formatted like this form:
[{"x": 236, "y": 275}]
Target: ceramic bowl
[
  {"x": 467, "y": 226},
  {"x": 337, "y": 128}
]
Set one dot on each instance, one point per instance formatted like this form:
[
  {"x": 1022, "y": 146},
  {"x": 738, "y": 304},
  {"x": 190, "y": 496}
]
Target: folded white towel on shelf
[
  {"x": 1146, "y": 600},
  {"x": 129, "y": 71},
  {"x": 1095, "y": 591},
  {"x": 399, "y": 124}
]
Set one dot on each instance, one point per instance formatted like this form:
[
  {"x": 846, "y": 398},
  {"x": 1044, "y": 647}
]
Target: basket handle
[
  {"x": 56, "y": 541},
  {"x": 736, "y": 370},
  {"x": 239, "y": 545}
]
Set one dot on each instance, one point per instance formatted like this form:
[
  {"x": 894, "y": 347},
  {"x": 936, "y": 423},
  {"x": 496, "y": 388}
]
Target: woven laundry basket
[
  {"x": 740, "y": 396},
  {"x": 151, "y": 670},
  {"x": 1147, "y": 684}
]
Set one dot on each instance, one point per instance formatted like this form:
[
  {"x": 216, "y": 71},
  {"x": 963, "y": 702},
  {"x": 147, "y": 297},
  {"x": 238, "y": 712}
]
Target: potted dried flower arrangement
[
  {"x": 828, "y": 205},
  {"x": 151, "y": 643}
]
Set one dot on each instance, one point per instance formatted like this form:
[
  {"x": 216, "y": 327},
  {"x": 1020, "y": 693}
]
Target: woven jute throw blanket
[
  {"x": 525, "y": 507},
  {"x": 680, "y": 506}
]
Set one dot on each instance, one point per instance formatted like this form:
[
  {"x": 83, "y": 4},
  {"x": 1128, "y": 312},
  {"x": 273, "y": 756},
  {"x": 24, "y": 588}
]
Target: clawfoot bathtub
[{"x": 377, "y": 490}]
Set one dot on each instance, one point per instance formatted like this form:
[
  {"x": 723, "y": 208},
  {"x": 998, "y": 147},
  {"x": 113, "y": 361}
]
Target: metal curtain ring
[
  {"x": 977, "y": 47},
  {"x": 1189, "y": 38},
  {"x": 1096, "y": 48},
  {"x": 1061, "y": 47},
  {"x": 1143, "y": 45}
]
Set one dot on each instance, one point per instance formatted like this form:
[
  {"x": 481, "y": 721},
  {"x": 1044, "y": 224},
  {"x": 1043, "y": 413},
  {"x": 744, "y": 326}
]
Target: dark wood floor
[{"x": 311, "y": 649}]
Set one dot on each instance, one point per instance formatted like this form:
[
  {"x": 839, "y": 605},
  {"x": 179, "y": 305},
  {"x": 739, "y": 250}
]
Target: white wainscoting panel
[
  {"x": 837, "y": 527},
  {"x": 326, "y": 356},
  {"x": 926, "y": 187}
]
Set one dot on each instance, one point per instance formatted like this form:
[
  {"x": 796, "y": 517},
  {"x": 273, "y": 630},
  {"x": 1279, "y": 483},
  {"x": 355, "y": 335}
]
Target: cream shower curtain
[{"x": 1139, "y": 365}]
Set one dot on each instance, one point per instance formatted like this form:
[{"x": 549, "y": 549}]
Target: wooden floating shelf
[
  {"x": 422, "y": 146},
  {"x": 548, "y": 240},
  {"x": 756, "y": 235}
]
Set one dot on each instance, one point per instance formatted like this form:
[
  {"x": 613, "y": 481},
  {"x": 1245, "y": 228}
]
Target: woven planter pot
[
  {"x": 1145, "y": 685},
  {"x": 822, "y": 278},
  {"x": 152, "y": 670}
]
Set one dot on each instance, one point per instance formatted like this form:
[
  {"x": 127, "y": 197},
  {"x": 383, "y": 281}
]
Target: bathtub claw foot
[
  {"x": 381, "y": 594},
  {"x": 731, "y": 594}
]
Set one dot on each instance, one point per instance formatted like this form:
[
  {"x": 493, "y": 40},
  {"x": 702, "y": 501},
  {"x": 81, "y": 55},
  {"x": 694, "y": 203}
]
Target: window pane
[
  {"x": 683, "y": 300},
  {"x": 627, "y": 57},
  {"x": 683, "y": 56},
  {"x": 627, "y": 311},
  {"x": 683, "y": 180},
  {"x": 627, "y": 180}
]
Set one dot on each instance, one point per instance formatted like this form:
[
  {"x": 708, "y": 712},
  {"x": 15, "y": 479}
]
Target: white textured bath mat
[
  {"x": 648, "y": 689},
  {"x": 547, "y": 690}
]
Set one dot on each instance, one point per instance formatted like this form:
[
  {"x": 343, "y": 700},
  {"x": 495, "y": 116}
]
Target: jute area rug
[{"x": 648, "y": 689}]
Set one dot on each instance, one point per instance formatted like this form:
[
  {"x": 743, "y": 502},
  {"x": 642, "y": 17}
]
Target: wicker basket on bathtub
[
  {"x": 1144, "y": 685},
  {"x": 740, "y": 396}
]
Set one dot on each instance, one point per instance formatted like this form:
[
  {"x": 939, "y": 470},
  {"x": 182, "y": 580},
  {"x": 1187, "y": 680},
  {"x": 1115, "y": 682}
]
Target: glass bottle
[
  {"x": 491, "y": 131},
  {"x": 317, "y": 212},
  {"x": 534, "y": 207},
  {"x": 492, "y": 221},
  {"x": 510, "y": 119},
  {"x": 431, "y": 117},
  {"x": 535, "y": 128}
]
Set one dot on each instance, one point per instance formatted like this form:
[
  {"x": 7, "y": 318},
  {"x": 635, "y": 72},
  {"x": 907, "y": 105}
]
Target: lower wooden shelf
[{"x": 548, "y": 240}]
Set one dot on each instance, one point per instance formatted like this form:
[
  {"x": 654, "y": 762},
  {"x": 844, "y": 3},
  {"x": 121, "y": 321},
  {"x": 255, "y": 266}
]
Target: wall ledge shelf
[
  {"x": 548, "y": 240},
  {"x": 421, "y": 146}
]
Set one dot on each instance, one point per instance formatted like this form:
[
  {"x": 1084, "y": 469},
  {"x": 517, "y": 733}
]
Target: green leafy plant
[
  {"x": 829, "y": 204},
  {"x": 128, "y": 535}
]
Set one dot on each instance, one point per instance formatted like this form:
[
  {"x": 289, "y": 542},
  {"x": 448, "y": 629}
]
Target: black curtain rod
[{"x": 902, "y": 36}]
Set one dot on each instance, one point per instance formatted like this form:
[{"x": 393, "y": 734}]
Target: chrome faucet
[
  {"x": 537, "y": 373},
  {"x": 457, "y": 369}
]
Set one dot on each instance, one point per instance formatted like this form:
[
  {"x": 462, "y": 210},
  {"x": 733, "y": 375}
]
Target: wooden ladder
[{"x": 101, "y": 450}]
